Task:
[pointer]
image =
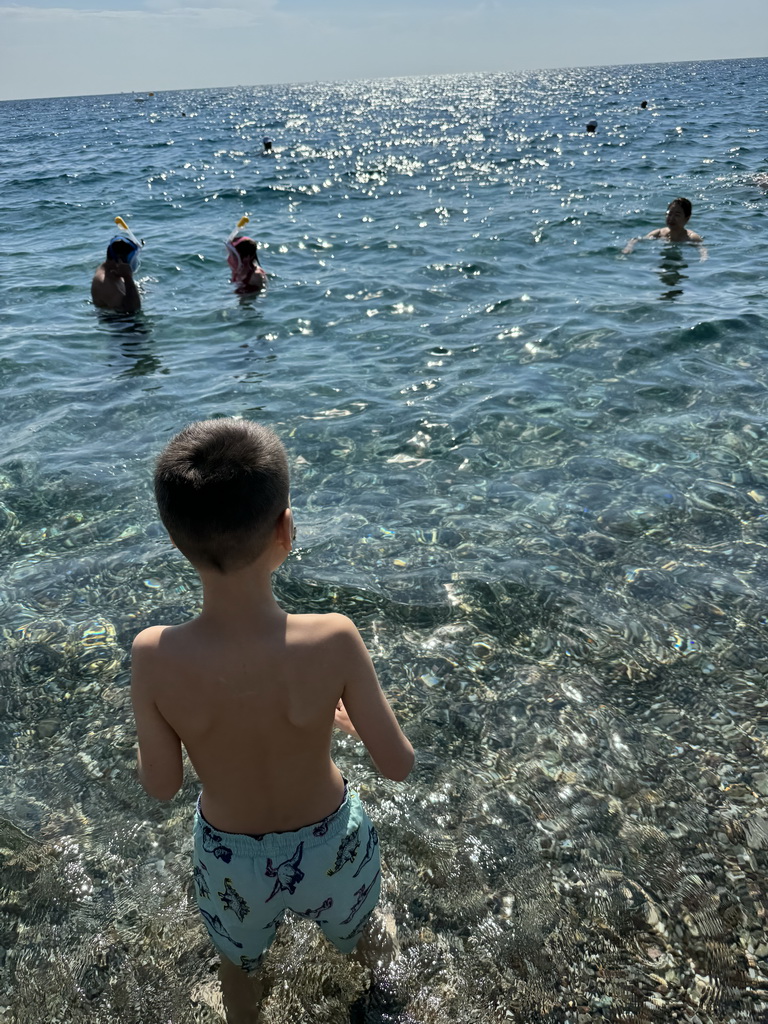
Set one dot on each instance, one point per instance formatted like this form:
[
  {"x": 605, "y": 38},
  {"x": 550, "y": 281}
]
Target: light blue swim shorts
[{"x": 329, "y": 873}]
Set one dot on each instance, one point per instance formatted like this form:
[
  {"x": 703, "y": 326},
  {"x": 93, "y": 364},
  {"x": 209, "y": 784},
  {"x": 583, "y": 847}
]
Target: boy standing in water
[
  {"x": 253, "y": 694},
  {"x": 113, "y": 286}
]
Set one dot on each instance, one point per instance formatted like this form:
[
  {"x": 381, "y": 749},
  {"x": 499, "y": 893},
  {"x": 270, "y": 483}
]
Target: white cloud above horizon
[{"x": 89, "y": 47}]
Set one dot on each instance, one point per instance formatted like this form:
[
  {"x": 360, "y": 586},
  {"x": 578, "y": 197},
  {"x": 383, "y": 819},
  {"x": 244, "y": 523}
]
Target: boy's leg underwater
[{"x": 243, "y": 993}]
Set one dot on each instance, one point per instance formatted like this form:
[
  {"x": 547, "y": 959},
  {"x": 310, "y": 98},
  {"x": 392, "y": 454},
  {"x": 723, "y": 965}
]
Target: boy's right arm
[
  {"x": 160, "y": 766},
  {"x": 368, "y": 709}
]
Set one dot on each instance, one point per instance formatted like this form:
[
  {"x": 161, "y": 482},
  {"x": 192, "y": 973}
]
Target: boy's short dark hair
[
  {"x": 686, "y": 205},
  {"x": 221, "y": 485}
]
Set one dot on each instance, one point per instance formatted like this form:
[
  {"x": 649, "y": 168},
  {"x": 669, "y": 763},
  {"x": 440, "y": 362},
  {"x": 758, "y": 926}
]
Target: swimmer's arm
[
  {"x": 365, "y": 708},
  {"x": 124, "y": 280},
  {"x": 698, "y": 240},
  {"x": 160, "y": 767},
  {"x": 102, "y": 292},
  {"x": 658, "y": 233},
  {"x": 113, "y": 287}
]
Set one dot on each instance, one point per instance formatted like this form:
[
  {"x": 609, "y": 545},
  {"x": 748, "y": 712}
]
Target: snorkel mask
[
  {"x": 241, "y": 271},
  {"x": 124, "y": 246}
]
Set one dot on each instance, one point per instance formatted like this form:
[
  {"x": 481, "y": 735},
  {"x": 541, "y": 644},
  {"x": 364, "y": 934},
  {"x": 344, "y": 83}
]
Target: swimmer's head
[
  {"x": 591, "y": 126},
  {"x": 644, "y": 104},
  {"x": 123, "y": 250},
  {"x": 679, "y": 212},
  {"x": 242, "y": 257},
  {"x": 222, "y": 489},
  {"x": 246, "y": 248}
]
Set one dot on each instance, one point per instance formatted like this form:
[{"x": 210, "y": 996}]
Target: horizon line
[{"x": 380, "y": 78}]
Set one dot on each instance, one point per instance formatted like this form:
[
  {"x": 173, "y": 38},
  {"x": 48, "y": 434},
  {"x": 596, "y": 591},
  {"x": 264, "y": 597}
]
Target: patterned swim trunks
[{"x": 329, "y": 873}]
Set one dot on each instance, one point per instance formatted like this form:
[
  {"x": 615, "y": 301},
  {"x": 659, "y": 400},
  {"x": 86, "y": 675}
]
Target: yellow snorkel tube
[{"x": 240, "y": 224}]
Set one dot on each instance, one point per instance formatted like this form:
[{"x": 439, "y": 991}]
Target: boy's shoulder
[
  {"x": 149, "y": 638},
  {"x": 304, "y": 628},
  {"x": 321, "y": 627}
]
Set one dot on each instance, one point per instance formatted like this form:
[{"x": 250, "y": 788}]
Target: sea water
[{"x": 533, "y": 469}]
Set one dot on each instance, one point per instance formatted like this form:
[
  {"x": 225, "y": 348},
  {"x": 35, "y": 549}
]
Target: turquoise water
[{"x": 531, "y": 467}]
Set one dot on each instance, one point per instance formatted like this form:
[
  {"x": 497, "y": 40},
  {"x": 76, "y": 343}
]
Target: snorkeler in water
[
  {"x": 243, "y": 259},
  {"x": 678, "y": 214},
  {"x": 113, "y": 286}
]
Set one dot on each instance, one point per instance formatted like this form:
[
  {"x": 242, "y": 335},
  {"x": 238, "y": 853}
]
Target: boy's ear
[
  {"x": 285, "y": 529},
  {"x": 173, "y": 542}
]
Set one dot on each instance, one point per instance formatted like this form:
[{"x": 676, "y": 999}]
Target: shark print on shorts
[
  {"x": 200, "y": 881},
  {"x": 314, "y": 915},
  {"x": 245, "y": 885},
  {"x": 232, "y": 900},
  {"x": 250, "y": 963},
  {"x": 288, "y": 874},
  {"x": 347, "y": 851},
  {"x": 360, "y": 897},
  {"x": 214, "y": 923},
  {"x": 359, "y": 927},
  {"x": 276, "y": 920},
  {"x": 213, "y": 843},
  {"x": 370, "y": 847}
]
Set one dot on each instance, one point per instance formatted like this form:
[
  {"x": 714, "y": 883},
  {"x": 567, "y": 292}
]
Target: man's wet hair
[
  {"x": 221, "y": 486},
  {"x": 686, "y": 205},
  {"x": 119, "y": 250}
]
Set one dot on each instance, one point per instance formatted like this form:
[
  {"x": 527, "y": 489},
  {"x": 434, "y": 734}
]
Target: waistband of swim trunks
[{"x": 275, "y": 842}]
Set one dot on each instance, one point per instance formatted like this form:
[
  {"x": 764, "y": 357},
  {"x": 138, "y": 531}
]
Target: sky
[{"x": 80, "y": 47}]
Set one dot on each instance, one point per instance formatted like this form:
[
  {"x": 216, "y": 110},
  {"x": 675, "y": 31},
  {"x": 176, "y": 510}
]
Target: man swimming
[{"x": 678, "y": 215}]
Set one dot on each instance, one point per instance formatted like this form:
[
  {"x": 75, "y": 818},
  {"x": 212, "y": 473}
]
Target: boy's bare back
[{"x": 254, "y": 701}]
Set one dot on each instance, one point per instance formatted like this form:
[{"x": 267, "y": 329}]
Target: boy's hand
[
  {"x": 342, "y": 721},
  {"x": 116, "y": 268}
]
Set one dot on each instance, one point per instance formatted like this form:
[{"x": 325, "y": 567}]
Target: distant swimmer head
[
  {"x": 644, "y": 104},
  {"x": 679, "y": 212},
  {"x": 591, "y": 126},
  {"x": 241, "y": 257},
  {"x": 267, "y": 143},
  {"x": 123, "y": 249}
]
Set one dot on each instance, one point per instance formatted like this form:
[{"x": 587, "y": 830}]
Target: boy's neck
[{"x": 243, "y": 596}]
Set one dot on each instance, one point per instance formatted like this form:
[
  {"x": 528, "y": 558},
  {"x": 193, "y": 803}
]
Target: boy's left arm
[{"x": 160, "y": 765}]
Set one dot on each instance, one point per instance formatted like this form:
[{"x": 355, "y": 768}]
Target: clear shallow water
[{"x": 532, "y": 468}]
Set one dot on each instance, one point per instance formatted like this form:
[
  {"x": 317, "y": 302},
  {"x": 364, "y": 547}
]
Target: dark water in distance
[{"x": 531, "y": 467}]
